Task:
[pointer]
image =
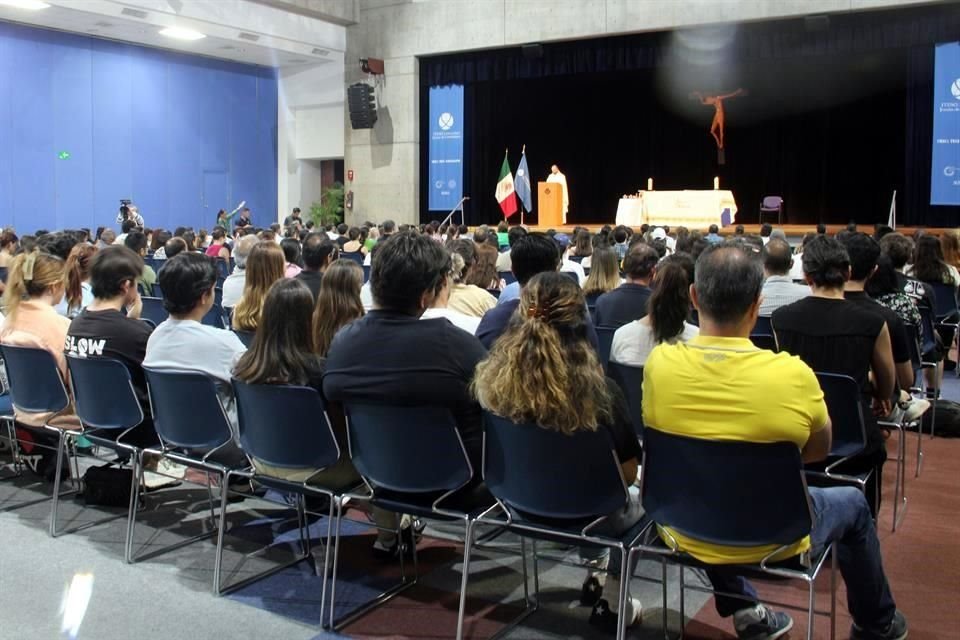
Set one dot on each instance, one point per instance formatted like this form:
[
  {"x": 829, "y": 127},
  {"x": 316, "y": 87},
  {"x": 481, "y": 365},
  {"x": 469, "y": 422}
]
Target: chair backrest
[
  {"x": 285, "y": 426},
  {"x": 366, "y": 273},
  {"x": 577, "y": 259},
  {"x": 356, "y": 256},
  {"x": 928, "y": 333},
  {"x": 186, "y": 409},
  {"x": 946, "y": 296},
  {"x": 717, "y": 502},
  {"x": 913, "y": 343},
  {"x": 246, "y": 337},
  {"x": 772, "y": 202},
  {"x": 407, "y": 449},
  {"x": 572, "y": 275},
  {"x": 35, "y": 382},
  {"x": 3, "y": 274},
  {"x": 762, "y": 326},
  {"x": 842, "y": 395},
  {"x": 507, "y": 276},
  {"x": 214, "y": 317},
  {"x": 630, "y": 381},
  {"x": 153, "y": 310},
  {"x": 104, "y": 393},
  {"x": 764, "y": 341},
  {"x": 218, "y": 295},
  {"x": 546, "y": 473},
  {"x": 605, "y": 336}
]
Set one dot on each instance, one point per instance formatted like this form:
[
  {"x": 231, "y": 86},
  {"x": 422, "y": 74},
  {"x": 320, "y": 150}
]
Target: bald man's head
[
  {"x": 777, "y": 257},
  {"x": 727, "y": 282}
]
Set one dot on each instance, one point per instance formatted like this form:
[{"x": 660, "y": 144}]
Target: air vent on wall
[
  {"x": 134, "y": 13},
  {"x": 296, "y": 61},
  {"x": 227, "y": 47},
  {"x": 105, "y": 25},
  {"x": 320, "y": 52},
  {"x": 249, "y": 37}
]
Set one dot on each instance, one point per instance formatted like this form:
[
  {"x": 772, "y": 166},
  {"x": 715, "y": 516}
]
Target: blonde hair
[
  {"x": 950, "y": 244},
  {"x": 604, "y": 272},
  {"x": 265, "y": 265},
  {"x": 30, "y": 275},
  {"x": 543, "y": 369},
  {"x": 338, "y": 303}
]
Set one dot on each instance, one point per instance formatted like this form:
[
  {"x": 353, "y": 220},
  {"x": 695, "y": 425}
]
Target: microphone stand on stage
[{"x": 454, "y": 210}]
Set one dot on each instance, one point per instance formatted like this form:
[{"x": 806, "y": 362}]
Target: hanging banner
[
  {"x": 446, "y": 147},
  {"x": 945, "y": 168}
]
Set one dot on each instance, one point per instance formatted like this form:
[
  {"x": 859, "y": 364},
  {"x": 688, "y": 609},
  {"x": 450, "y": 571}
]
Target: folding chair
[
  {"x": 153, "y": 310},
  {"x": 412, "y": 461},
  {"x": 106, "y": 404},
  {"x": 214, "y": 317},
  {"x": 193, "y": 428},
  {"x": 947, "y": 312},
  {"x": 928, "y": 345},
  {"x": 573, "y": 276},
  {"x": 630, "y": 381},
  {"x": 717, "y": 503},
  {"x": 842, "y": 395},
  {"x": 37, "y": 387},
  {"x": 534, "y": 501},
  {"x": 605, "y": 336},
  {"x": 286, "y": 427},
  {"x": 6, "y": 416},
  {"x": 507, "y": 276},
  {"x": 246, "y": 337},
  {"x": 771, "y": 204}
]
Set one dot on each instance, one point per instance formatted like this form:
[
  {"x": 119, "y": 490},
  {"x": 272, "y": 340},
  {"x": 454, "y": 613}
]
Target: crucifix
[{"x": 716, "y": 126}]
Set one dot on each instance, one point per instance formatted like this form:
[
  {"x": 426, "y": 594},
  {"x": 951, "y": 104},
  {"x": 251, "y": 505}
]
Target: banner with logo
[
  {"x": 945, "y": 169},
  {"x": 446, "y": 147}
]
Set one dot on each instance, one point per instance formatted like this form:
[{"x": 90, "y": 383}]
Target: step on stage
[{"x": 792, "y": 230}]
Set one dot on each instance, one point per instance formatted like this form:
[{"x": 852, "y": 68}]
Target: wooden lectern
[{"x": 550, "y": 200}]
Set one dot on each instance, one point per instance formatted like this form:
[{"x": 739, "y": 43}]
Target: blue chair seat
[{"x": 6, "y": 405}]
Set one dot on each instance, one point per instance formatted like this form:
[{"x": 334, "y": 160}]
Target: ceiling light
[
  {"x": 180, "y": 33},
  {"x": 31, "y": 5}
]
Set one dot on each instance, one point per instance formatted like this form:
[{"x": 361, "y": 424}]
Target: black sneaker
[
  {"x": 590, "y": 592},
  {"x": 406, "y": 543},
  {"x": 603, "y": 618},
  {"x": 896, "y": 630},
  {"x": 761, "y": 623}
]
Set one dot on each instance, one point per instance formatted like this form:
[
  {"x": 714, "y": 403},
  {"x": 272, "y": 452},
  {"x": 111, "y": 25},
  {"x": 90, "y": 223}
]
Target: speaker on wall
[{"x": 362, "y": 105}]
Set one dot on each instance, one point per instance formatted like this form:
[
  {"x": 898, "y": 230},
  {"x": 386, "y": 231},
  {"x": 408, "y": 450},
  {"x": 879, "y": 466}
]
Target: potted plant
[{"x": 329, "y": 210}]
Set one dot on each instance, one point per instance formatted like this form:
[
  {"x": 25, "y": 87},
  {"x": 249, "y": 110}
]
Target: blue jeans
[{"x": 841, "y": 516}]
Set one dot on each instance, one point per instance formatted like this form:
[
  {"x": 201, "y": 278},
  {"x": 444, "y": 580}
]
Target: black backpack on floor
[{"x": 948, "y": 419}]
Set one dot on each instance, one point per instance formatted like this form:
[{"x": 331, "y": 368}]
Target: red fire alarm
[{"x": 350, "y": 175}]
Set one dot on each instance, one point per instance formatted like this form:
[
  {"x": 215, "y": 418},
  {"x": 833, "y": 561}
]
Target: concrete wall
[
  {"x": 386, "y": 159},
  {"x": 310, "y": 128}
]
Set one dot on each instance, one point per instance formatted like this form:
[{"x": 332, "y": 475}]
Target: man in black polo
[{"x": 628, "y": 302}]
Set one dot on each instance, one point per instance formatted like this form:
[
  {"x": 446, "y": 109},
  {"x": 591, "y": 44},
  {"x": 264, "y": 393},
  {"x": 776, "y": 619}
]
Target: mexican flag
[{"x": 505, "y": 193}]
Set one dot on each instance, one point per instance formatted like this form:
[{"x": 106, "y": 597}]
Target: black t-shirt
[
  {"x": 111, "y": 334},
  {"x": 388, "y": 357},
  {"x": 312, "y": 279},
  {"x": 621, "y": 427},
  {"x": 242, "y": 222},
  {"x": 342, "y": 240},
  {"x": 898, "y": 330},
  {"x": 623, "y": 305}
]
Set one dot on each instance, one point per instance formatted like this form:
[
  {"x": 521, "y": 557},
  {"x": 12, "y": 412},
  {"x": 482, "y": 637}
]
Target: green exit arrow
[{"x": 63, "y": 155}]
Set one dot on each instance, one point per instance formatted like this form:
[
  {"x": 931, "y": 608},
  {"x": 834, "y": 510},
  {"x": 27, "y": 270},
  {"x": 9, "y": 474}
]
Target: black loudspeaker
[{"x": 362, "y": 105}]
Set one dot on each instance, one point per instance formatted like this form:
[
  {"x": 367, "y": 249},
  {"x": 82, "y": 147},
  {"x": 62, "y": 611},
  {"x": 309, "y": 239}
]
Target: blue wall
[{"x": 181, "y": 136}]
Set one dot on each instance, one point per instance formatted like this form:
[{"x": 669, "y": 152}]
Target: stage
[{"x": 793, "y": 231}]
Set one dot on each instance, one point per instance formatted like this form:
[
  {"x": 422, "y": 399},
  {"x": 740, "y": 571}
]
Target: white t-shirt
[
  {"x": 570, "y": 265},
  {"x": 233, "y": 288},
  {"x": 187, "y": 345},
  {"x": 460, "y": 320},
  {"x": 633, "y": 342}
]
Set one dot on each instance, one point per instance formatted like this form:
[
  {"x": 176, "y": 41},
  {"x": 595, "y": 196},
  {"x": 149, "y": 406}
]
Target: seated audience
[
  {"x": 265, "y": 265},
  {"x": 174, "y": 246},
  {"x": 182, "y": 342},
  {"x": 233, "y": 284},
  {"x": 354, "y": 243},
  {"x": 582, "y": 246},
  {"x": 628, "y": 302},
  {"x": 604, "y": 275},
  {"x": 78, "y": 293},
  {"x": 685, "y": 385},
  {"x": 900, "y": 249},
  {"x": 567, "y": 265},
  {"x": 929, "y": 264},
  {"x": 8, "y": 247},
  {"x": 111, "y": 327},
  {"x": 778, "y": 287},
  {"x": 291, "y": 256},
  {"x": 834, "y": 335},
  {"x": 484, "y": 272},
  {"x": 107, "y": 238},
  {"x": 884, "y": 287},
  {"x": 950, "y": 247},
  {"x": 318, "y": 254},
  {"x": 544, "y": 370},
  {"x": 125, "y": 227},
  {"x": 34, "y": 287},
  {"x": 503, "y": 258},
  {"x": 666, "y": 320},
  {"x": 408, "y": 272},
  {"x": 338, "y": 303},
  {"x": 532, "y": 254},
  {"x": 439, "y": 309},
  {"x": 468, "y": 299},
  {"x": 219, "y": 248},
  {"x": 137, "y": 242}
]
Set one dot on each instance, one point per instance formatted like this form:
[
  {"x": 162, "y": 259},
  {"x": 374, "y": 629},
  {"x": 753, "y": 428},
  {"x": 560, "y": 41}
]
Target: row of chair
[{"x": 413, "y": 460}]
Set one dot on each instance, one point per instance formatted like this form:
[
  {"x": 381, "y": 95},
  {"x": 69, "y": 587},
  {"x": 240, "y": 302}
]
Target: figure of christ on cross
[{"x": 716, "y": 127}]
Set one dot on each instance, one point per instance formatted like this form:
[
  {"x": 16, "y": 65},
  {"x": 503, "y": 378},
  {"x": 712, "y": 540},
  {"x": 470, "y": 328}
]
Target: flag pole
[{"x": 523, "y": 152}]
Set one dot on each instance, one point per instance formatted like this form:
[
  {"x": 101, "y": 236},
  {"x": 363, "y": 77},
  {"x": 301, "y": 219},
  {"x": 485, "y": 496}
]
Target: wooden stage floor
[{"x": 792, "y": 230}]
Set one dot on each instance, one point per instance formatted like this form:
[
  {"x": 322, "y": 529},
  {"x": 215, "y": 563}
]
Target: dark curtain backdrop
[{"x": 834, "y": 121}]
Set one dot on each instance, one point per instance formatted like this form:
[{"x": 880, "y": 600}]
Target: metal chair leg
[
  {"x": 624, "y": 595},
  {"x": 663, "y": 583},
  {"x": 683, "y": 606},
  {"x": 218, "y": 562},
  {"x": 812, "y": 593},
  {"x": 467, "y": 548},
  {"x": 56, "y": 484},
  {"x": 134, "y": 506}
]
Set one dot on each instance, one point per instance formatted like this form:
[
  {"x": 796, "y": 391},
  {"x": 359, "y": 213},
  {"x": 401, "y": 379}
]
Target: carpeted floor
[{"x": 169, "y": 595}]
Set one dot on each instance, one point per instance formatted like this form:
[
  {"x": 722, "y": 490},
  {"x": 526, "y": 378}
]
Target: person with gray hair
[
  {"x": 779, "y": 289},
  {"x": 234, "y": 283},
  {"x": 688, "y": 391}
]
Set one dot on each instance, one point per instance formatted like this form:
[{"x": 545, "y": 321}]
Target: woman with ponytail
[
  {"x": 544, "y": 370},
  {"x": 666, "y": 319},
  {"x": 78, "y": 294},
  {"x": 35, "y": 285}
]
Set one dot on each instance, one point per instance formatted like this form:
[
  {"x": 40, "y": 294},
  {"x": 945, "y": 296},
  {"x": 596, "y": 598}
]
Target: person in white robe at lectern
[{"x": 556, "y": 176}]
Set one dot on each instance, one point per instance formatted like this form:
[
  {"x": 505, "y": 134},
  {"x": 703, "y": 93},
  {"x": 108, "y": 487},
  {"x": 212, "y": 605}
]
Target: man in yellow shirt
[{"x": 718, "y": 386}]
